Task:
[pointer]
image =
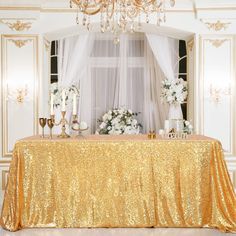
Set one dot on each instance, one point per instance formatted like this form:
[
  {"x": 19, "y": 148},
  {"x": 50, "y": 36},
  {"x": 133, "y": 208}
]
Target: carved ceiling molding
[
  {"x": 190, "y": 44},
  {"x": 18, "y": 24},
  {"x": 217, "y": 42},
  {"x": 20, "y": 42},
  {"x": 216, "y": 26}
]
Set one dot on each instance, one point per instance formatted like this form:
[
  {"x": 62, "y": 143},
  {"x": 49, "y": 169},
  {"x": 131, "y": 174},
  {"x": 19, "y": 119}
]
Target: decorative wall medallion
[
  {"x": 190, "y": 44},
  {"x": 217, "y": 42},
  {"x": 217, "y": 26},
  {"x": 20, "y": 42},
  {"x": 17, "y": 25}
]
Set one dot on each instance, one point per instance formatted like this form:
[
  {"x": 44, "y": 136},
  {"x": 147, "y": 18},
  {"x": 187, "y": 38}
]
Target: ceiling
[{"x": 65, "y": 3}]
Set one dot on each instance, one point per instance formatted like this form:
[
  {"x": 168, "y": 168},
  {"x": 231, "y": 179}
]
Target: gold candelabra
[{"x": 63, "y": 122}]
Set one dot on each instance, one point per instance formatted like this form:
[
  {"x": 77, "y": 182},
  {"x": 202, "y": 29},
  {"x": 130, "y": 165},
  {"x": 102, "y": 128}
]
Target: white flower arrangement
[
  {"x": 119, "y": 121},
  {"x": 69, "y": 91},
  {"x": 188, "y": 128},
  {"x": 175, "y": 91}
]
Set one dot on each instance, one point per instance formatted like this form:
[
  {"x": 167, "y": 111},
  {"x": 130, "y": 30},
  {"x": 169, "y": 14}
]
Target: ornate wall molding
[
  {"x": 216, "y": 26},
  {"x": 46, "y": 44},
  {"x": 217, "y": 42},
  {"x": 18, "y": 24},
  {"x": 190, "y": 44},
  {"x": 20, "y": 42}
]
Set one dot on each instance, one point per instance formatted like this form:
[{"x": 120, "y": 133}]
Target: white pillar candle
[
  {"x": 161, "y": 132},
  {"x": 74, "y": 105},
  {"x": 51, "y": 104},
  {"x": 63, "y": 106},
  {"x": 167, "y": 126},
  {"x": 178, "y": 126}
]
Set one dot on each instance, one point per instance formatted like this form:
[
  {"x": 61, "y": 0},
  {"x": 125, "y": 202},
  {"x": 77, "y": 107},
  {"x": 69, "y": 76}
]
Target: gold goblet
[
  {"x": 42, "y": 122},
  {"x": 50, "y": 125}
]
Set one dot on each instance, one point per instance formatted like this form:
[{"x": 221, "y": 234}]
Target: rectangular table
[{"x": 122, "y": 181}]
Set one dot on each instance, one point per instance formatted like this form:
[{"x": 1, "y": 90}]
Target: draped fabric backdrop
[{"x": 127, "y": 74}]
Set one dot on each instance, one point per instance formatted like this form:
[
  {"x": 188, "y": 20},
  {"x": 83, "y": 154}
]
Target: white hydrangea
[
  {"x": 175, "y": 91},
  {"x": 119, "y": 121}
]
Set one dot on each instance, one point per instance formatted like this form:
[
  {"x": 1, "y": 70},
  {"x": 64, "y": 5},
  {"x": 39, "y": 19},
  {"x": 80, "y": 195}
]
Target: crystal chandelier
[{"x": 119, "y": 16}]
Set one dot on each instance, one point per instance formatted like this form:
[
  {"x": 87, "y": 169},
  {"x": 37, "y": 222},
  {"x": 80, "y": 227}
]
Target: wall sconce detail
[
  {"x": 18, "y": 95},
  {"x": 216, "y": 93}
]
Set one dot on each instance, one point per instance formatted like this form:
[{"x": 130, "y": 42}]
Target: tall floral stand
[
  {"x": 175, "y": 112},
  {"x": 175, "y": 115}
]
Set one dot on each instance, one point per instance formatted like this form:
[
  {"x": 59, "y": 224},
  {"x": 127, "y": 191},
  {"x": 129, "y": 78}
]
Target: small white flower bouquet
[
  {"x": 175, "y": 91},
  {"x": 119, "y": 121},
  {"x": 188, "y": 128},
  {"x": 69, "y": 91}
]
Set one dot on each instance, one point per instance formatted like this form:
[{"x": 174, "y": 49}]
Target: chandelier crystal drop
[{"x": 120, "y": 16}]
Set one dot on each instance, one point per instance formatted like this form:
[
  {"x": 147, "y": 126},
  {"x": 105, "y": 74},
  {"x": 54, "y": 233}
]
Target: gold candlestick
[{"x": 63, "y": 122}]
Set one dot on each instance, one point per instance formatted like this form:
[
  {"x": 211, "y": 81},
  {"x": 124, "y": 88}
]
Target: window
[
  {"x": 53, "y": 62},
  {"x": 112, "y": 64},
  {"x": 183, "y": 70}
]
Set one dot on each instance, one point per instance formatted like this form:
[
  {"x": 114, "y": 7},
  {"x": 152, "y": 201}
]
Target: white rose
[
  {"x": 187, "y": 123},
  {"x": 102, "y": 125},
  {"x": 128, "y": 121},
  {"x": 104, "y": 118},
  {"x": 83, "y": 125},
  {"x": 134, "y": 122}
]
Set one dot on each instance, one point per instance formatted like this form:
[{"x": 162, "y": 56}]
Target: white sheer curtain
[
  {"x": 165, "y": 51},
  {"x": 73, "y": 58},
  {"x": 127, "y": 74},
  {"x": 116, "y": 75}
]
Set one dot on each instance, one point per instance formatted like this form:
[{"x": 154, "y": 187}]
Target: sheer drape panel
[
  {"x": 124, "y": 75},
  {"x": 155, "y": 111},
  {"x": 165, "y": 51},
  {"x": 73, "y": 58}
]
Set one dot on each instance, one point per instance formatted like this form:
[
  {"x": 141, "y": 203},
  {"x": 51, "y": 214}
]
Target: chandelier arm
[
  {"x": 112, "y": 11},
  {"x": 92, "y": 9}
]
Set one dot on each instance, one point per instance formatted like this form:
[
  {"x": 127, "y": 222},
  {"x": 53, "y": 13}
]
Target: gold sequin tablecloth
[{"x": 119, "y": 182}]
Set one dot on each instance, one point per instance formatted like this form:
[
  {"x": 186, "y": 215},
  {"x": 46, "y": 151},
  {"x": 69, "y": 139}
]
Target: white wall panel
[
  {"x": 217, "y": 73},
  {"x": 19, "y": 71}
]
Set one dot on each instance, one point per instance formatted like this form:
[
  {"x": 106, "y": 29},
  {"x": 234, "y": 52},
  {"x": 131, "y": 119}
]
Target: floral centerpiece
[
  {"x": 119, "y": 121},
  {"x": 69, "y": 91},
  {"x": 174, "y": 91}
]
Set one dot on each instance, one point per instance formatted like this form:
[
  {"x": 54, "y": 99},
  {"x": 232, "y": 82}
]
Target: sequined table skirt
[{"x": 119, "y": 182}]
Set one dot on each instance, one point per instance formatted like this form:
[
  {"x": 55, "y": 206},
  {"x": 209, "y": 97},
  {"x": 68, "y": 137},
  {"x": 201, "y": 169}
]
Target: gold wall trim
[
  {"x": 217, "y": 42},
  {"x": 17, "y": 24},
  {"x": 20, "y": 42},
  {"x": 216, "y": 26},
  {"x": 190, "y": 44},
  {"x": 46, "y": 44},
  {"x": 4, "y": 38}
]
